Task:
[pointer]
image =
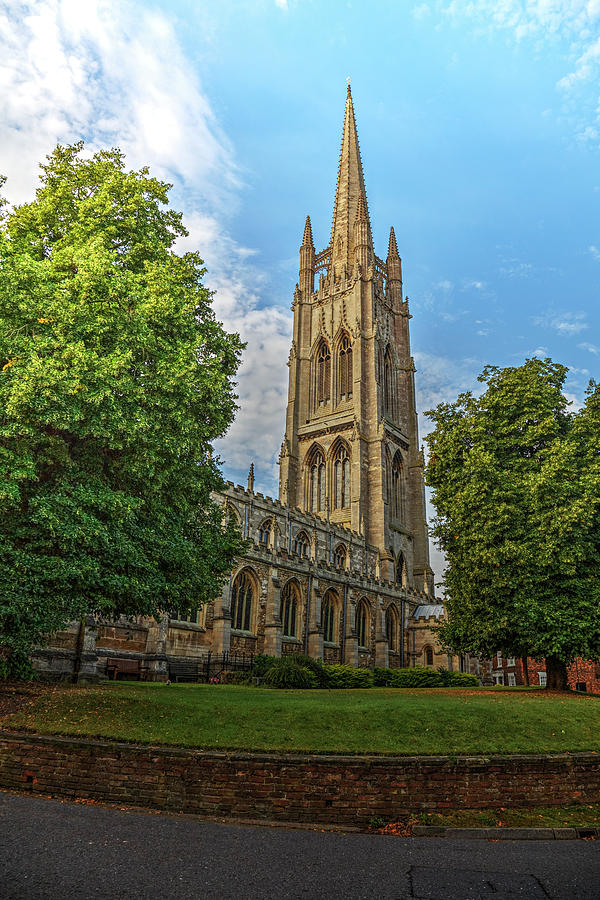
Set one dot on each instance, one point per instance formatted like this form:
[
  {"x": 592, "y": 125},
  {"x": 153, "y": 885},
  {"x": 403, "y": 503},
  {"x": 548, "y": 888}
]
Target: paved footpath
[{"x": 53, "y": 849}]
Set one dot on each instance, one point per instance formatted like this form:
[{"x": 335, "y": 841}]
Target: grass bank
[{"x": 378, "y": 721}]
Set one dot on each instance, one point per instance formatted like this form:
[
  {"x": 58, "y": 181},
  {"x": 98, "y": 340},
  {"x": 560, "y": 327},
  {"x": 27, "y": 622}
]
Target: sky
[{"x": 479, "y": 125}]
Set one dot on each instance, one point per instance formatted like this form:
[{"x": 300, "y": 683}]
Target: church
[{"x": 338, "y": 566}]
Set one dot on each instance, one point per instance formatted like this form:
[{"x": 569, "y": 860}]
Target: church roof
[{"x": 426, "y": 610}]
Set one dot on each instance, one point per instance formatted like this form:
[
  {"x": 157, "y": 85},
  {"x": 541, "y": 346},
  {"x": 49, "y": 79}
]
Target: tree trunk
[
  {"x": 525, "y": 667},
  {"x": 556, "y": 674}
]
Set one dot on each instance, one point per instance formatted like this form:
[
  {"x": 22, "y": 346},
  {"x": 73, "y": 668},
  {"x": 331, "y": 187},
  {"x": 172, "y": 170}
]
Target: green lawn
[{"x": 380, "y": 720}]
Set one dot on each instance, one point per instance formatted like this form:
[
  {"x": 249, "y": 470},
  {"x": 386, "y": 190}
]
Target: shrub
[
  {"x": 285, "y": 673},
  {"x": 262, "y": 663},
  {"x": 340, "y": 676},
  {"x": 463, "y": 679},
  {"x": 313, "y": 665},
  {"x": 235, "y": 678},
  {"x": 408, "y": 678}
]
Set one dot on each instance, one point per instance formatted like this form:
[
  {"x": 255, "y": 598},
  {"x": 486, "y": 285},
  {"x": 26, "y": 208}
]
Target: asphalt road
[{"x": 61, "y": 850}]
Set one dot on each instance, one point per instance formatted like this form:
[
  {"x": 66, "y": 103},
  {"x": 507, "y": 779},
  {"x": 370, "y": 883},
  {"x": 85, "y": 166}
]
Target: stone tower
[{"x": 351, "y": 448}]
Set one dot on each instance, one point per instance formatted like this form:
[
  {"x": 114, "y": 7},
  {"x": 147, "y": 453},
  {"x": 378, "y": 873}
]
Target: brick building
[{"x": 338, "y": 566}]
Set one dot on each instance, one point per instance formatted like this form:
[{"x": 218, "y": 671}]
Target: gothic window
[
  {"x": 400, "y": 568},
  {"x": 264, "y": 533},
  {"x": 316, "y": 481},
  {"x": 428, "y": 656},
  {"x": 388, "y": 385},
  {"x": 339, "y": 556},
  {"x": 328, "y": 617},
  {"x": 341, "y": 476},
  {"x": 187, "y": 615},
  {"x": 345, "y": 368},
  {"x": 289, "y": 609},
  {"x": 362, "y": 622},
  {"x": 242, "y": 599},
  {"x": 391, "y": 627},
  {"x": 302, "y": 544},
  {"x": 323, "y": 374},
  {"x": 398, "y": 488}
]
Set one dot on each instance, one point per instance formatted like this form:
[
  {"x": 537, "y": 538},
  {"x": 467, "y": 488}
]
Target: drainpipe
[
  {"x": 402, "y": 614},
  {"x": 344, "y": 612}
]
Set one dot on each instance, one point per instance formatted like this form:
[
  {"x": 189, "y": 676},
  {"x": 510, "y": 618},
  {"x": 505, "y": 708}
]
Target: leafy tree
[
  {"x": 516, "y": 488},
  {"x": 114, "y": 379}
]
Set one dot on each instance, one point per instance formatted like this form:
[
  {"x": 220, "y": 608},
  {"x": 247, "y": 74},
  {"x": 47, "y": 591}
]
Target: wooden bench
[
  {"x": 182, "y": 671},
  {"x": 123, "y": 669}
]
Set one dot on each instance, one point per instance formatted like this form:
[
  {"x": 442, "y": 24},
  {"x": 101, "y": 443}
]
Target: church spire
[{"x": 349, "y": 191}]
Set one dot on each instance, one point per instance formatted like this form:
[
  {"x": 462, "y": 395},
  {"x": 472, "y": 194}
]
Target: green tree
[
  {"x": 114, "y": 379},
  {"x": 516, "y": 488}
]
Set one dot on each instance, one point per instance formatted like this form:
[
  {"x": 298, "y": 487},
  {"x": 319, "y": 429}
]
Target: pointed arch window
[
  {"x": 362, "y": 623},
  {"x": 328, "y": 617},
  {"x": 391, "y": 627},
  {"x": 400, "y": 572},
  {"x": 289, "y": 609},
  {"x": 398, "y": 488},
  {"x": 428, "y": 653},
  {"x": 345, "y": 368},
  {"x": 264, "y": 533},
  {"x": 242, "y": 600},
  {"x": 316, "y": 481},
  {"x": 323, "y": 374},
  {"x": 339, "y": 557},
  {"x": 388, "y": 385},
  {"x": 341, "y": 476},
  {"x": 302, "y": 545}
]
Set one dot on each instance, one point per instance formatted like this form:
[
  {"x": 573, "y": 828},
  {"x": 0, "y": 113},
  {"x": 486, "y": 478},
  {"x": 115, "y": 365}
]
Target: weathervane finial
[{"x": 348, "y": 83}]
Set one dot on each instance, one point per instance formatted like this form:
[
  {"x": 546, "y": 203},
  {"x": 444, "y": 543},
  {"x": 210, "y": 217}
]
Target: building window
[
  {"x": 542, "y": 679},
  {"x": 323, "y": 374},
  {"x": 398, "y": 488},
  {"x": 187, "y": 615},
  {"x": 510, "y": 661},
  {"x": 264, "y": 533},
  {"x": 341, "y": 475},
  {"x": 302, "y": 544},
  {"x": 339, "y": 557},
  {"x": 400, "y": 570},
  {"x": 498, "y": 678},
  {"x": 242, "y": 598},
  {"x": 362, "y": 620},
  {"x": 345, "y": 368},
  {"x": 428, "y": 656},
  {"x": 316, "y": 481},
  {"x": 391, "y": 627},
  {"x": 499, "y": 657},
  {"x": 511, "y": 679},
  {"x": 289, "y": 609},
  {"x": 388, "y": 385},
  {"x": 328, "y": 618}
]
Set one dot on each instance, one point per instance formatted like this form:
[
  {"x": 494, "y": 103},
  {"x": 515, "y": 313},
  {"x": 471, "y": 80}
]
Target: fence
[{"x": 211, "y": 668}]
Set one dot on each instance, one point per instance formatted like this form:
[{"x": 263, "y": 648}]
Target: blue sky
[{"x": 479, "y": 125}]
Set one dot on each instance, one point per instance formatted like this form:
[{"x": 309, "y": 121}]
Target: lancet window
[
  {"x": 398, "y": 510},
  {"x": 428, "y": 651},
  {"x": 400, "y": 569},
  {"x": 341, "y": 477},
  {"x": 362, "y": 623},
  {"x": 345, "y": 368},
  {"x": 323, "y": 374},
  {"x": 388, "y": 385},
  {"x": 328, "y": 617},
  {"x": 242, "y": 600},
  {"x": 339, "y": 556},
  {"x": 289, "y": 609},
  {"x": 264, "y": 533},
  {"x": 302, "y": 544},
  {"x": 391, "y": 627},
  {"x": 317, "y": 483}
]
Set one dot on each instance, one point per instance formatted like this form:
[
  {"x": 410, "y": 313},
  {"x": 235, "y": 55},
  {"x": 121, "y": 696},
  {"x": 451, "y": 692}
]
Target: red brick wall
[{"x": 293, "y": 788}]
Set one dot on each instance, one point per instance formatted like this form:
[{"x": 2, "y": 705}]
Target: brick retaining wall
[{"x": 291, "y": 788}]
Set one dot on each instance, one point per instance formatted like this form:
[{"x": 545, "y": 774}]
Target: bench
[{"x": 123, "y": 669}]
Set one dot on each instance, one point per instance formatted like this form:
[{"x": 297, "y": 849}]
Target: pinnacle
[
  {"x": 361, "y": 214},
  {"x": 307, "y": 240},
  {"x": 392, "y": 246}
]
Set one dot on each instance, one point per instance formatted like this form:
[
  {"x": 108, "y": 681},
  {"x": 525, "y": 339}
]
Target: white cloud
[
  {"x": 566, "y": 324},
  {"x": 595, "y": 252},
  {"x": 114, "y": 73},
  {"x": 591, "y": 348}
]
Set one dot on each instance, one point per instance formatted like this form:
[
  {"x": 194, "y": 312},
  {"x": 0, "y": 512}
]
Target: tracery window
[
  {"x": 391, "y": 627},
  {"x": 362, "y": 620},
  {"x": 345, "y": 368},
  {"x": 264, "y": 533},
  {"x": 316, "y": 481},
  {"x": 339, "y": 556},
  {"x": 302, "y": 544},
  {"x": 388, "y": 385},
  {"x": 289, "y": 609},
  {"x": 323, "y": 374},
  {"x": 341, "y": 477},
  {"x": 328, "y": 617},
  {"x": 242, "y": 599},
  {"x": 398, "y": 488}
]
